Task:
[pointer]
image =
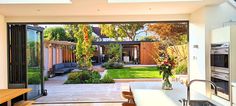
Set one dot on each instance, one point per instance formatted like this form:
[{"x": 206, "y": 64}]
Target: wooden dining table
[{"x": 6, "y": 95}]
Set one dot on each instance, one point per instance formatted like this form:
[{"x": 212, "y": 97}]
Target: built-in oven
[
  {"x": 220, "y": 68},
  {"x": 220, "y": 55}
]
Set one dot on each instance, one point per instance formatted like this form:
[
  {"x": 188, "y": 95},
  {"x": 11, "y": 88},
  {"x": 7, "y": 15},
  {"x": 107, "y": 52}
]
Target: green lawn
[{"x": 134, "y": 72}]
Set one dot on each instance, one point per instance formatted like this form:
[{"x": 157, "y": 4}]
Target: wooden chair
[
  {"x": 24, "y": 103},
  {"x": 128, "y": 95},
  {"x": 128, "y": 104}
]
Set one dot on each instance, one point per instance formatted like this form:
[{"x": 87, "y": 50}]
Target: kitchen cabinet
[
  {"x": 234, "y": 93},
  {"x": 227, "y": 34},
  {"x": 220, "y": 35}
]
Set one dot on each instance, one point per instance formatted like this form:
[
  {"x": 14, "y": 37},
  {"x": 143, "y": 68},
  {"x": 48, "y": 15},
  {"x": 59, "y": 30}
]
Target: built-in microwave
[{"x": 220, "y": 55}]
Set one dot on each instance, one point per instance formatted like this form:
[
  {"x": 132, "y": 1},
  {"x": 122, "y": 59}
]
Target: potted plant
[{"x": 166, "y": 67}]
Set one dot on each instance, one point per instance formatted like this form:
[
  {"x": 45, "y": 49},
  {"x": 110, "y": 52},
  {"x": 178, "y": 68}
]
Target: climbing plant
[{"x": 84, "y": 49}]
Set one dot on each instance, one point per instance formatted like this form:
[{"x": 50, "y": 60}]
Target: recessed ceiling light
[
  {"x": 143, "y": 1},
  {"x": 35, "y": 2}
]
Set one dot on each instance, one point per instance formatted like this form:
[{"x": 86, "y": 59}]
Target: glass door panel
[{"x": 34, "y": 69}]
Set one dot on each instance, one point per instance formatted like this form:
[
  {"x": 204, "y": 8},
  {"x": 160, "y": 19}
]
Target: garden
[{"x": 170, "y": 54}]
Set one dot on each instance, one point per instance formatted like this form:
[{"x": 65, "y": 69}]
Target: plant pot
[{"x": 166, "y": 85}]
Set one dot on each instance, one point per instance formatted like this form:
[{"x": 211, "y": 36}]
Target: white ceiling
[{"x": 102, "y": 8}]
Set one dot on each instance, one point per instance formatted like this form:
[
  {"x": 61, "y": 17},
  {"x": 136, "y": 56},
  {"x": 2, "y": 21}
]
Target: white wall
[
  {"x": 61, "y": 55},
  {"x": 201, "y": 24},
  {"x": 45, "y": 61},
  {"x": 3, "y": 53},
  {"x": 197, "y": 54},
  {"x": 102, "y": 18},
  {"x": 54, "y": 52}
]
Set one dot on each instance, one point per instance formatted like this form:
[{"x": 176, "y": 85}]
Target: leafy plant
[
  {"x": 113, "y": 65},
  {"x": 149, "y": 38},
  {"x": 107, "y": 79},
  {"x": 116, "y": 31},
  {"x": 114, "y": 52},
  {"x": 181, "y": 68},
  {"x": 87, "y": 77},
  {"x": 55, "y": 33},
  {"x": 84, "y": 49}
]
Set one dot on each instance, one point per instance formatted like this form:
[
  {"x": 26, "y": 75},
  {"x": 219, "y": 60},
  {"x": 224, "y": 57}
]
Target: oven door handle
[{"x": 219, "y": 77}]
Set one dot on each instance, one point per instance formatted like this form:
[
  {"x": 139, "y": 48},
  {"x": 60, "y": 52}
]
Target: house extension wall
[{"x": 3, "y": 53}]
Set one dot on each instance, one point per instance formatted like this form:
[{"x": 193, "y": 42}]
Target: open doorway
[{"x": 117, "y": 53}]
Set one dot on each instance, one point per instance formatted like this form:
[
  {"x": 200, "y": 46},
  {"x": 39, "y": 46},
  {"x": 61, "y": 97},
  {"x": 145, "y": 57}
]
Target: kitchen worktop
[
  {"x": 151, "y": 94},
  {"x": 234, "y": 84}
]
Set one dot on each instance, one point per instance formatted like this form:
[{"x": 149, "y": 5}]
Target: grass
[
  {"x": 134, "y": 73},
  {"x": 34, "y": 76}
]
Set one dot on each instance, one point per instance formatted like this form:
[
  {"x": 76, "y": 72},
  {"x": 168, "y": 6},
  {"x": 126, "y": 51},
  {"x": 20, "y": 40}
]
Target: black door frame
[{"x": 41, "y": 56}]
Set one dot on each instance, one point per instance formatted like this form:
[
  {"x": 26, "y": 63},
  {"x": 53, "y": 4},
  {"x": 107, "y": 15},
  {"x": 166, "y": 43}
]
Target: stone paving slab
[
  {"x": 59, "y": 92},
  {"x": 81, "y": 104}
]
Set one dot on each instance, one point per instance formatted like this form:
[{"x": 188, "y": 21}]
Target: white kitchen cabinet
[
  {"x": 234, "y": 93},
  {"x": 220, "y": 35}
]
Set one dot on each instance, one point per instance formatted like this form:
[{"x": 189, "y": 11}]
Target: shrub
[
  {"x": 117, "y": 65},
  {"x": 113, "y": 65},
  {"x": 106, "y": 65},
  {"x": 95, "y": 75},
  {"x": 107, "y": 79},
  {"x": 74, "y": 75},
  {"x": 77, "y": 81},
  {"x": 181, "y": 68},
  {"x": 87, "y": 77}
]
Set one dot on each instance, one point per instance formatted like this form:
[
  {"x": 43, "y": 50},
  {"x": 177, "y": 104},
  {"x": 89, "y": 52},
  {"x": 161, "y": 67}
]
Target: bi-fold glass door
[{"x": 25, "y": 59}]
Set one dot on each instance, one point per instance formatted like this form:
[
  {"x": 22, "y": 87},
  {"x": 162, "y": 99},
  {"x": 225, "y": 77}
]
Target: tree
[
  {"x": 122, "y": 31},
  {"x": 55, "y": 33},
  {"x": 70, "y": 33},
  {"x": 149, "y": 38},
  {"x": 114, "y": 52},
  {"x": 84, "y": 49},
  {"x": 170, "y": 33},
  {"x": 173, "y": 40}
]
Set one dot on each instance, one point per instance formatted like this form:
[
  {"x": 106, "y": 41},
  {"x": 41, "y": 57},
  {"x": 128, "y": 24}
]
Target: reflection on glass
[{"x": 33, "y": 63}]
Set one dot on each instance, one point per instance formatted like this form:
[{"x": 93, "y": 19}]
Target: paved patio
[
  {"x": 81, "y": 104},
  {"x": 81, "y": 93}
]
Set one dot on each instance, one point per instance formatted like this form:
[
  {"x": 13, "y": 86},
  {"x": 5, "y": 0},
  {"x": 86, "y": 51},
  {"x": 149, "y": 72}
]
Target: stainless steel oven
[
  {"x": 220, "y": 55},
  {"x": 220, "y": 68}
]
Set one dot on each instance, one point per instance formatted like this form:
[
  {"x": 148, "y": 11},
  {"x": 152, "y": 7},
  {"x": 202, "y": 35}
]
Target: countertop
[
  {"x": 151, "y": 94},
  {"x": 234, "y": 84}
]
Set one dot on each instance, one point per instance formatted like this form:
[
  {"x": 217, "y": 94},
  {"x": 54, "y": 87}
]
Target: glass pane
[{"x": 33, "y": 63}]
